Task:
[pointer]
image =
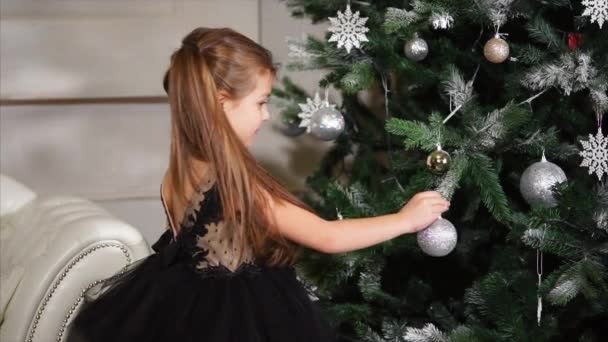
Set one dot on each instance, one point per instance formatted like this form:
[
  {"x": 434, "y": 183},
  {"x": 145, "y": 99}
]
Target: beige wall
[
  {"x": 116, "y": 154},
  {"x": 96, "y": 48}
]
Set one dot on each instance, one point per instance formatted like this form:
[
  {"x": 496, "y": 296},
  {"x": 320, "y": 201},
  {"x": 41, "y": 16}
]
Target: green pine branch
[{"x": 483, "y": 174}]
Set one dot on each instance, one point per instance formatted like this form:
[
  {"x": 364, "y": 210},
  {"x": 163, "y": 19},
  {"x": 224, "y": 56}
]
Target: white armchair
[{"x": 52, "y": 249}]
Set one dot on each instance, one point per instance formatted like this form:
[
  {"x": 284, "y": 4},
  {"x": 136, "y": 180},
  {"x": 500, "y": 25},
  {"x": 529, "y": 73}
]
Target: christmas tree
[{"x": 497, "y": 105}]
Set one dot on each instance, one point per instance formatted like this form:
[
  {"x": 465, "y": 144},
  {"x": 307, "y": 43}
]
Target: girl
[{"x": 223, "y": 271}]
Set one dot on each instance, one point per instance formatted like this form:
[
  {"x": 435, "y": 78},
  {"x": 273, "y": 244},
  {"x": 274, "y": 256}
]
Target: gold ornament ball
[
  {"x": 496, "y": 50},
  {"x": 438, "y": 161}
]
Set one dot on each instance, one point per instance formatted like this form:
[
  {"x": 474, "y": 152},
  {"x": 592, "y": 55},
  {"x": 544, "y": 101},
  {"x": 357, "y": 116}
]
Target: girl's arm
[{"x": 346, "y": 235}]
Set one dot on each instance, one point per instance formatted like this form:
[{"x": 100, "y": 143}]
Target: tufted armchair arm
[{"x": 52, "y": 249}]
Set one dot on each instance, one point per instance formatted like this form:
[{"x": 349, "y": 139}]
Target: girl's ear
[
  {"x": 225, "y": 101},
  {"x": 222, "y": 96}
]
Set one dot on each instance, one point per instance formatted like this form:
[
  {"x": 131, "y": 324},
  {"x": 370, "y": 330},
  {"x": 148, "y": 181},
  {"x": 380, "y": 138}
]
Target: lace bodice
[{"x": 204, "y": 238}]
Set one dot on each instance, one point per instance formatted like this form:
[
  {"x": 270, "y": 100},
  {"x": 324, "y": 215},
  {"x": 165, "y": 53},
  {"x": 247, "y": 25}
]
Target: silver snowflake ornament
[
  {"x": 310, "y": 107},
  {"x": 595, "y": 154},
  {"x": 348, "y": 29},
  {"x": 597, "y": 10}
]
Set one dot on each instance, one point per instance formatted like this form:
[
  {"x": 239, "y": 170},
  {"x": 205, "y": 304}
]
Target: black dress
[{"x": 199, "y": 286}]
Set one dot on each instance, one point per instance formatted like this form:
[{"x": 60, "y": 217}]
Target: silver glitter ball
[
  {"x": 536, "y": 182},
  {"x": 439, "y": 239},
  {"x": 416, "y": 49},
  {"x": 327, "y": 123}
]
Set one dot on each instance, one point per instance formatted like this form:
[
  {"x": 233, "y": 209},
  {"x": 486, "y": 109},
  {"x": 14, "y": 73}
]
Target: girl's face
[{"x": 247, "y": 114}]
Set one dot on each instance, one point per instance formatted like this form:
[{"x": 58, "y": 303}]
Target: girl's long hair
[{"x": 211, "y": 61}]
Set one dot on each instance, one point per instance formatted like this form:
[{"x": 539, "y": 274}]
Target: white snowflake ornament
[
  {"x": 597, "y": 10},
  {"x": 595, "y": 154},
  {"x": 348, "y": 29},
  {"x": 310, "y": 107}
]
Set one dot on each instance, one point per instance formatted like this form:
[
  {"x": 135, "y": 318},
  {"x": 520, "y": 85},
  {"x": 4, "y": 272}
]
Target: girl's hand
[{"x": 423, "y": 209}]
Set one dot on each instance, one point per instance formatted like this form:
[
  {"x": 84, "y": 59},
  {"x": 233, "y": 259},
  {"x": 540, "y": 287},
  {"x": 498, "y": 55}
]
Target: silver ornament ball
[
  {"x": 416, "y": 49},
  {"x": 327, "y": 123},
  {"x": 536, "y": 182},
  {"x": 439, "y": 239}
]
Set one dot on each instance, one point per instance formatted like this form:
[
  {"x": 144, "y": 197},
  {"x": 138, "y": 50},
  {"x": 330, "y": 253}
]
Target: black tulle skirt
[{"x": 159, "y": 298}]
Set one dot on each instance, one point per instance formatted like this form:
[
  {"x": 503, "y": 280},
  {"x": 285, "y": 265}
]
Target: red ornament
[{"x": 574, "y": 40}]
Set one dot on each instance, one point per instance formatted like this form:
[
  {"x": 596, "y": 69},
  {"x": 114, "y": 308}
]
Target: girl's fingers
[
  {"x": 441, "y": 202},
  {"x": 431, "y": 194},
  {"x": 440, "y": 208}
]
